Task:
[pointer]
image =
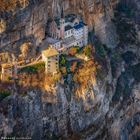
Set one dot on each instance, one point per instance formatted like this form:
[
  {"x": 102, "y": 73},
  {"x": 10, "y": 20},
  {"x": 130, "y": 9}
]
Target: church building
[{"x": 67, "y": 31}]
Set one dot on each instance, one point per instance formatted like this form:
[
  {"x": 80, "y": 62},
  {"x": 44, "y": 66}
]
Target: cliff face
[
  {"x": 22, "y": 25},
  {"x": 50, "y": 115},
  {"x": 109, "y": 109},
  {"x": 29, "y": 24}
]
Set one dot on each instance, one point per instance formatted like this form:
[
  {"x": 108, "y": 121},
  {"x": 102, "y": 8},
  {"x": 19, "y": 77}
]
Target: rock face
[
  {"x": 42, "y": 115},
  {"x": 110, "y": 109},
  {"x": 26, "y": 24},
  {"x": 29, "y": 24}
]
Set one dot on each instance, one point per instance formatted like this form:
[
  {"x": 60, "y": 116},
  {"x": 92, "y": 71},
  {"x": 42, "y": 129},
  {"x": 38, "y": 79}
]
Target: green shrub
[
  {"x": 63, "y": 61},
  {"x": 33, "y": 68},
  {"x": 100, "y": 49},
  {"x": 10, "y": 78},
  {"x": 87, "y": 51},
  {"x": 4, "y": 94}
]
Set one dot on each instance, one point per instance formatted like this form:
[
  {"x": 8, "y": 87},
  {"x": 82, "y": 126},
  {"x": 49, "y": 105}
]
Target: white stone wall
[
  {"x": 68, "y": 33},
  {"x": 51, "y": 63},
  {"x": 57, "y": 45},
  {"x": 85, "y": 35},
  {"x": 78, "y": 33}
]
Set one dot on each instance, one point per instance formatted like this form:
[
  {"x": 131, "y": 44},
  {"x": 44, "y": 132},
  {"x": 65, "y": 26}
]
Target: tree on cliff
[
  {"x": 2, "y": 25},
  {"x": 25, "y": 49}
]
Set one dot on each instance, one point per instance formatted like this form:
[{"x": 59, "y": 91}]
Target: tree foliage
[
  {"x": 4, "y": 94},
  {"x": 63, "y": 60},
  {"x": 88, "y": 50},
  {"x": 25, "y": 49},
  {"x": 2, "y": 25},
  {"x": 72, "y": 51},
  {"x": 10, "y": 5}
]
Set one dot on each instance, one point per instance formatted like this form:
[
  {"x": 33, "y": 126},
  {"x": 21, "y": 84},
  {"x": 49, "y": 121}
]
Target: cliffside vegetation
[
  {"x": 10, "y": 5},
  {"x": 2, "y": 25},
  {"x": 4, "y": 94},
  {"x": 32, "y": 76},
  {"x": 85, "y": 75},
  {"x": 77, "y": 66},
  {"x": 33, "y": 68}
]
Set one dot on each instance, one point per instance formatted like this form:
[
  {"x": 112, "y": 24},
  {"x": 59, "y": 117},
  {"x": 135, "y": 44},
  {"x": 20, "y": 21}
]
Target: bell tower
[{"x": 62, "y": 24}]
